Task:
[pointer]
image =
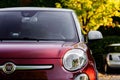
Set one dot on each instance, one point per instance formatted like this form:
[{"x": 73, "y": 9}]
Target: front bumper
[
  {"x": 114, "y": 64},
  {"x": 57, "y": 72}
]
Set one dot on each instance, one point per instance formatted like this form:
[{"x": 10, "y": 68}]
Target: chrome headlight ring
[{"x": 74, "y": 59}]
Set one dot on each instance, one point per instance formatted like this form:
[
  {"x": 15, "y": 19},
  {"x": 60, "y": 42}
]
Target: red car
[{"x": 44, "y": 44}]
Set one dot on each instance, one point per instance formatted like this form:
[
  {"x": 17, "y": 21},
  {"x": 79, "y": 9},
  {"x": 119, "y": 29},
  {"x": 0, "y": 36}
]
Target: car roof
[
  {"x": 34, "y": 8},
  {"x": 115, "y": 44}
]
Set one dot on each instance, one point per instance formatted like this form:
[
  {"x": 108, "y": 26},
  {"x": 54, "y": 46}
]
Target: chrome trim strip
[
  {"x": 33, "y": 67},
  {"x": 40, "y": 67},
  {"x": 1, "y": 67}
]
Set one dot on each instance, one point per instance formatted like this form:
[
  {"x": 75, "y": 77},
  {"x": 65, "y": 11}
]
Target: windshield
[{"x": 39, "y": 25}]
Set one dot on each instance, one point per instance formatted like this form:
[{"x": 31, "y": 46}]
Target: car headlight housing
[{"x": 74, "y": 59}]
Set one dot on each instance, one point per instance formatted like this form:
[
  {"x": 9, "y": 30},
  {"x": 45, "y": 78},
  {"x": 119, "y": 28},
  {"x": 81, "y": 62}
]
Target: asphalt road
[{"x": 108, "y": 76}]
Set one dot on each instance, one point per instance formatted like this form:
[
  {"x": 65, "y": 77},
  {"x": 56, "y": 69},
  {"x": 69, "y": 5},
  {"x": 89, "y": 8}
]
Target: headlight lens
[{"x": 74, "y": 59}]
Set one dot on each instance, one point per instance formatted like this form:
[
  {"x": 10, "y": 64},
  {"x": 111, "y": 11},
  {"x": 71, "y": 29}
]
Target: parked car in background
[
  {"x": 44, "y": 44},
  {"x": 113, "y": 57}
]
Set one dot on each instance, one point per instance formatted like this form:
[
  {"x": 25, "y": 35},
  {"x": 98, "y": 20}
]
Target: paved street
[{"x": 109, "y": 76}]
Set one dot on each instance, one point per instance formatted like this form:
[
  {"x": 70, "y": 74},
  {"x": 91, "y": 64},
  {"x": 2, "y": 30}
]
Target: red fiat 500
[{"x": 44, "y": 44}]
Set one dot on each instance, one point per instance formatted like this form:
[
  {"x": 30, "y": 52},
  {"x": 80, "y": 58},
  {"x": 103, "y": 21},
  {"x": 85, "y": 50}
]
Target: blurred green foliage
[
  {"x": 99, "y": 50},
  {"x": 25, "y": 3},
  {"x": 45, "y": 3},
  {"x": 9, "y": 3},
  {"x": 110, "y": 35},
  {"x": 99, "y": 47}
]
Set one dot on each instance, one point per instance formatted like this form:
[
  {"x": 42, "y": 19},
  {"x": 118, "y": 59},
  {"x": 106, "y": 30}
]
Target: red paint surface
[{"x": 38, "y": 53}]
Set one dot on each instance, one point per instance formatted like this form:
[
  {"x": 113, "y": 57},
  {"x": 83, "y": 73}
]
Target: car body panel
[
  {"x": 27, "y": 57},
  {"x": 36, "y": 54},
  {"x": 31, "y": 50},
  {"x": 47, "y": 74},
  {"x": 115, "y": 61}
]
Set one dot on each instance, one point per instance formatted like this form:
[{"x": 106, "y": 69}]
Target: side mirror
[{"x": 95, "y": 35}]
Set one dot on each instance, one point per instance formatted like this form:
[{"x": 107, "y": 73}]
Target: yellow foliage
[
  {"x": 58, "y": 5},
  {"x": 93, "y": 13}
]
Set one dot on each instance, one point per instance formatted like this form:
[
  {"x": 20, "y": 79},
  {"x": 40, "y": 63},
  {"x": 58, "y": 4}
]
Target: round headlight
[{"x": 74, "y": 59}]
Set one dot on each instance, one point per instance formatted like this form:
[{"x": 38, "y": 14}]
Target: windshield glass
[{"x": 39, "y": 25}]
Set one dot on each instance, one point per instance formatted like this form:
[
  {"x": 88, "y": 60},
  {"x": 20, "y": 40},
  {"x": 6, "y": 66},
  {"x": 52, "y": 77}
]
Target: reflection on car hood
[{"x": 16, "y": 50}]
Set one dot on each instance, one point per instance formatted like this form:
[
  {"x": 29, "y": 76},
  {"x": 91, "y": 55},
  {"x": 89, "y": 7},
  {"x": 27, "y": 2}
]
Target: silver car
[{"x": 113, "y": 57}]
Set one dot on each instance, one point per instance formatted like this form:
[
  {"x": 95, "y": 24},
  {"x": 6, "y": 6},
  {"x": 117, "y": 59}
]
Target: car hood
[{"x": 34, "y": 50}]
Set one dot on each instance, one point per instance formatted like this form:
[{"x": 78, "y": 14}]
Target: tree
[
  {"x": 9, "y": 3},
  {"x": 93, "y": 13},
  {"x": 45, "y": 3}
]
